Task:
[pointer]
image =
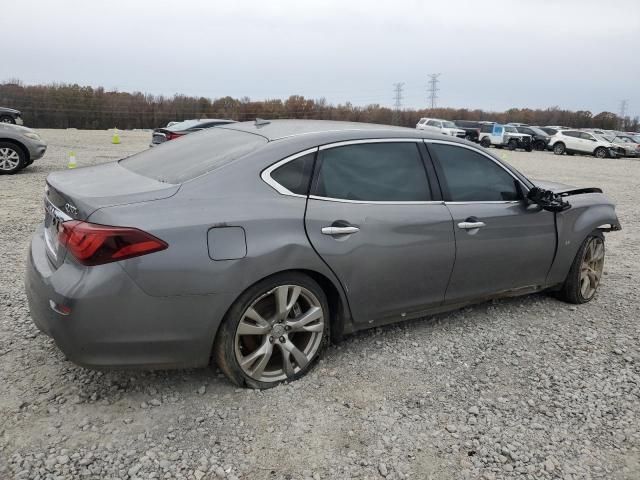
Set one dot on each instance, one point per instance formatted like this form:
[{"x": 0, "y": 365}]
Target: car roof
[{"x": 279, "y": 129}]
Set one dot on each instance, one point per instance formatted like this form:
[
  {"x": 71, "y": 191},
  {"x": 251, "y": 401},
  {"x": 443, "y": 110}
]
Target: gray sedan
[{"x": 255, "y": 244}]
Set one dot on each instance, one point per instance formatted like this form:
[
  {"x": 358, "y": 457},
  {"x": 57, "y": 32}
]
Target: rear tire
[
  {"x": 260, "y": 345},
  {"x": 585, "y": 273},
  {"x": 539, "y": 146},
  {"x": 559, "y": 148},
  {"x": 12, "y": 158}
]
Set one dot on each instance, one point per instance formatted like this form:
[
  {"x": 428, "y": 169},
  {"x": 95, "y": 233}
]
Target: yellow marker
[
  {"x": 116, "y": 137},
  {"x": 72, "y": 160}
]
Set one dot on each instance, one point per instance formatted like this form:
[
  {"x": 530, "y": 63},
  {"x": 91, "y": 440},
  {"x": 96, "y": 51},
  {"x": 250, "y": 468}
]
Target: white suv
[
  {"x": 440, "y": 126},
  {"x": 575, "y": 141}
]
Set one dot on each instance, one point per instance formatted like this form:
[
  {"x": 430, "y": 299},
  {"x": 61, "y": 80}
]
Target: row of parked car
[{"x": 557, "y": 138}]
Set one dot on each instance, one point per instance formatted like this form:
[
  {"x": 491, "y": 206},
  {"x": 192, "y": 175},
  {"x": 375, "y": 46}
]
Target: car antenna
[{"x": 261, "y": 121}]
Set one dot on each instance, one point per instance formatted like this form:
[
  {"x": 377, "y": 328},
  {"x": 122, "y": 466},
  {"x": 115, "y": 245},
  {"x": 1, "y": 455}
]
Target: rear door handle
[
  {"x": 471, "y": 225},
  {"x": 340, "y": 230}
]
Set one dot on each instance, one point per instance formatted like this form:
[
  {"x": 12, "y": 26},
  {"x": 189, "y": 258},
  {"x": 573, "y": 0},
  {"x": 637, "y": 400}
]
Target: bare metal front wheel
[
  {"x": 586, "y": 271},
  {"x": 274, "y": 332}
]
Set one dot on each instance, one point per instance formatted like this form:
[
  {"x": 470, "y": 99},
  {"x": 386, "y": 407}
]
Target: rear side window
[
  {"x": 193, "y": 155},
  {"x": 383, "y": 172},
  {"x": 572, "y": 134},
  {"x": 472, "y": 177},
  {"x": 295, "y": 175}
]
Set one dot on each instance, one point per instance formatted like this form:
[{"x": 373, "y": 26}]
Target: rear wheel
[
  {"x": 559, "y": 148},
  {"x": 586, "y": 271},
  {"x": 485, "y": 142},
  {"x": 600, "y": 152},
  {"x": 12, "y": 158},
  {"x": 539, "y": 145},
  {"x": 274, "y": 332}
]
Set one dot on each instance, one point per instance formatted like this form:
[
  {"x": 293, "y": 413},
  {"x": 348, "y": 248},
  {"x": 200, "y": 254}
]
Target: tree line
[{"x": 74, "y": 106}]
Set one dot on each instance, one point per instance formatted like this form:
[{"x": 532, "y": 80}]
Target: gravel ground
[{"x": 521, "y": 388}]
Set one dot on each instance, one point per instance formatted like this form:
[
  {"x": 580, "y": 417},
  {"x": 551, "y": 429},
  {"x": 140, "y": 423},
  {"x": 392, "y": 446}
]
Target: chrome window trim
[
  {"x": 370, "y": 140},
  {"x": 266, "y": 173},
  {"x": 376, "y": 202},
  {"x": 498, "y": 202}
]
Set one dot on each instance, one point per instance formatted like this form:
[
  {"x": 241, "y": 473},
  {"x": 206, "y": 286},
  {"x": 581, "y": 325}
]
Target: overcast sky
[{"x": 577, "y": 54}]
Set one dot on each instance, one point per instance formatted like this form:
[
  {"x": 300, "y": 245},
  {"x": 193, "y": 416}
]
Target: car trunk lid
[{"x": 76, "y": 194}]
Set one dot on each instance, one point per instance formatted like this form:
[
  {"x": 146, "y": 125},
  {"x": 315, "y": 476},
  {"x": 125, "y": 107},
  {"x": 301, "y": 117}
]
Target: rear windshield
[{"x": 177, "y": 161}]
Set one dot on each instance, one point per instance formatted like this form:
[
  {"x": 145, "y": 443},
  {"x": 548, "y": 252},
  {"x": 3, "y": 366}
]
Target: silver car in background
[
  {"x": 254, "y": 244},
  {"x": 19, "y": 147}
]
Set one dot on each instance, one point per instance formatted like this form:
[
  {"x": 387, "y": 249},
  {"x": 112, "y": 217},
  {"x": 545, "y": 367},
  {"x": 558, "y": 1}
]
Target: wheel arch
[
  {"x": 574, "y": 226},
  {"x": 340, "y": 321},
  {"x": 18, "y": 144}
]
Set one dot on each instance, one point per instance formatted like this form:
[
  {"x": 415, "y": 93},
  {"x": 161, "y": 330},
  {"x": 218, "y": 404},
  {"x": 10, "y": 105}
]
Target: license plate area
[{"x": 53, "y": 220}]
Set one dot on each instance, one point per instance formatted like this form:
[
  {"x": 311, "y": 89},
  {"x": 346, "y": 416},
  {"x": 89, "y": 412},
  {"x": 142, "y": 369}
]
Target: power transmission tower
[
  {"x": 433, "y": 88},
  {"x": 623, "y": 112},
  {"x": 397, "y": 89}
]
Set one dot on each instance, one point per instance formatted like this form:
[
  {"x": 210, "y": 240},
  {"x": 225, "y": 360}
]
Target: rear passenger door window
[
  {"x": 373, "y": 172},
  {"x": 472, "y": 177}
]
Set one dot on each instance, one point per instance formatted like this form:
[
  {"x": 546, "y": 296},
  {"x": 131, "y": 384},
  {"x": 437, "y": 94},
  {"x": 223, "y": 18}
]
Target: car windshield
[
  {"x": 623, "y": 140},
  {"x": 180, "y": 126},
  {"x": 447, "y": 124},
  {"x": 538, "y": 131},
  {"x": 196, "y": 154}
]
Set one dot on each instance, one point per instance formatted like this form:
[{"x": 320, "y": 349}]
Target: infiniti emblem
[{"x": 70, "y": 209}]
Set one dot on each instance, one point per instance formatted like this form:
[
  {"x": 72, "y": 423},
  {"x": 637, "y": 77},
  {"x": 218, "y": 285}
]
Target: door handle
[
  {"x": 340, "y": 230},
  {"x": 471, "y": 225}
]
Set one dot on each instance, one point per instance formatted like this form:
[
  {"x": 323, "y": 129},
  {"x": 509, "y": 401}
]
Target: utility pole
[
  {"x": 623, "y": 112},
  {"x": 433, "y": 88},
  {"x": 397, "y": 89}
]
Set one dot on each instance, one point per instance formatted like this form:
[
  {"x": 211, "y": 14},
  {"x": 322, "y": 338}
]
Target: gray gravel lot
[{"x": 522, "y": 388}]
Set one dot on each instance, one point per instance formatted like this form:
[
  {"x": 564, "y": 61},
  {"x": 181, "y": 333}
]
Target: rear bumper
[{"x": 112, "y": 322}]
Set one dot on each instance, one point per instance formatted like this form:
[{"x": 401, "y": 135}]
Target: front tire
[
  {"x": 512, "y": 144},
  {"x": 600, "y": 152},
  {"x": 559, "y": 148},
  {"x": 12, "y": 158},
  {"x": 485, "y": 142},
  {"x": 539, "y": 146},
  {"x": 274, "y": 332},
  {"x": 585, "y": 273}
]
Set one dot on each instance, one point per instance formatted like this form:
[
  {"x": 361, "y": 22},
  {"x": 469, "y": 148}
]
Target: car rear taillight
[
  {"x": 93, "y": 244},
  {"x": 172, "y": 135}
]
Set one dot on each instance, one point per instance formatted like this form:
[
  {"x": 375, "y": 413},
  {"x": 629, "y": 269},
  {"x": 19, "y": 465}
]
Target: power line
[
  {"x": 397, "y": 88},
  {"x": 433, "y": 88}
]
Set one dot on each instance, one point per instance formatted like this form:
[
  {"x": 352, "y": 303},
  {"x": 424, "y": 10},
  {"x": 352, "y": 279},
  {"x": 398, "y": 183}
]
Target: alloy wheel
[
  {"x": 9, "y": 159},
  {"x": 591, "y": 267},
  {"x": 279, "y": 334}
]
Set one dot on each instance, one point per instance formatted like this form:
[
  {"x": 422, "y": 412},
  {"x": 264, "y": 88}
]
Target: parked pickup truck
[{"x": 504, "y": 136}]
